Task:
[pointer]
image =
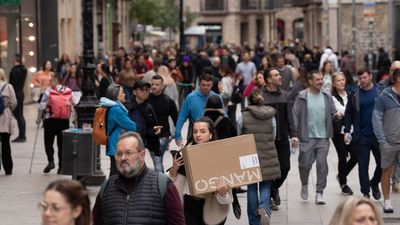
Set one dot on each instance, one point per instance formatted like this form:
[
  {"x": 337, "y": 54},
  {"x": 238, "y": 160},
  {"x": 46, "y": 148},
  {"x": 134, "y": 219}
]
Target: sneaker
[
  {"x": 346, "y": 190},
  {"x": 318, "y": 199},
  {"x": 375, "y": 191},
  {"x": 396, "y": 187},
  {"x": 275, "y": 196},
  {"x": 264, "y": 217},
  {"x": 387, "y": 207},
  {"x": 19, "y": 140},
  {"x": 49, "y": 167},
  {"x": 304, "y": 192}
]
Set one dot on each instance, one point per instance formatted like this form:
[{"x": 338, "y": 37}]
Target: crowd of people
[{"x": 290, "y": 98}]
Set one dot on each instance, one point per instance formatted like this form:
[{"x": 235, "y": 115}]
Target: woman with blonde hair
[
  {"x": 356, "y": 210},
  {"x": 9, "y": 101},
  {"x": 169, "y": 84}
]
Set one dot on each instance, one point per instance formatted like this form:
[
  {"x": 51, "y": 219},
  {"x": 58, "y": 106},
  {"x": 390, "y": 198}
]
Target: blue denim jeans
[
  {"x": 158, "y": 160},
  {"x": 254, "y": 202}
]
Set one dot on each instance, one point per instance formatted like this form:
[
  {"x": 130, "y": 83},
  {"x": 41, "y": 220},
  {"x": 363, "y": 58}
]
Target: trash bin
[{"x": 79, "y": 153}]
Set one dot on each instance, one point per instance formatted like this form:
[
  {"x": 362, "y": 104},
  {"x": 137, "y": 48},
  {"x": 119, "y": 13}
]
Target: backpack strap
[
  {"x": 162, "y": 185},
  {"x": 218, "y": 120},
  {"x": 162, "y": 181},
  {"x": 103, "y": 187},
  {"x": 2, "y": 88}
]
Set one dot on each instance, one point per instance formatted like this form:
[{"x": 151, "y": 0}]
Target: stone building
[
  {"x": 45, "y": 29},
  {"x": 316, "y": 22}
]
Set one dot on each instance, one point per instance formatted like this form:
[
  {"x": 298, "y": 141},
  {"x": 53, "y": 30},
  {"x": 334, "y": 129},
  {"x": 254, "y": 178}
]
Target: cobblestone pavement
[{"x": 20, "y": 193}]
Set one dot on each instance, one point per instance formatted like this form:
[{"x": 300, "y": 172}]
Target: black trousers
[
  {"x": 193, "y": 209},
  {"x": 231, "y": 111},
  {"x": 283, "y": 149},
  {"x": 344, "y": 166},
  {"x": 6, "y": 153},
  {"x": 53, "y": 128},
  {"x": 19, "y": 114}
]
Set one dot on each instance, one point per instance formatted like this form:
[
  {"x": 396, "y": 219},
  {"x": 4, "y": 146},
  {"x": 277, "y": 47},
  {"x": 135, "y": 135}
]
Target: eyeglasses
[
  {"x": 53, "y": 208},
  {"x": 126, "y": 153}
]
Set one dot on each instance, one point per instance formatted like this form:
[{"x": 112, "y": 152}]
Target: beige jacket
[
  {"x": 10, "y": 103},
  {"x": 216, "y": 207}
]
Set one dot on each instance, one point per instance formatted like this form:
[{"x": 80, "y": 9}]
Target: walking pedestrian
[
  {"x": 117, "y": 120},
  {"x": 258, "y": 119},
  {"x": 277, "y": 98},
  {"x": 149, "y": 195},
  {"x": 9, "y": 104},
  {"x": 193, "y": 106},
  {"x": 327, "y": 72},
  {"x": 65, "y": 202},
  {"x": 55, "y": 109},
  {"x": 313, "y": 111},
  {"x": 17, "y": 80},
  {"x": 286, "y": 73},
  {"x": 42, "y": 78},
  {"x": 339, "y": 97},
  {"x": 165, "y": 108},
  {"x": 386, "y": 124},
  {"x": 358, "y": 115},
  {"x": 211, "y": 208}
]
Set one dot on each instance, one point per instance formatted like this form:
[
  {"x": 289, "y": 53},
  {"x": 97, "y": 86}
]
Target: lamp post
[
  {"x": 181, "y": 29},
  {"x": 86, "y": 107}
]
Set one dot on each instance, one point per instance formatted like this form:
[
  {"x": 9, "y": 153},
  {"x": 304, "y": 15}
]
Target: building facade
[
  {"x": 45, "y": 29},
  {"x": 316, "y": 22}
]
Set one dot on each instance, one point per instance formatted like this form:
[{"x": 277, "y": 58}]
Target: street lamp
[{"x": 86, "y": 107}]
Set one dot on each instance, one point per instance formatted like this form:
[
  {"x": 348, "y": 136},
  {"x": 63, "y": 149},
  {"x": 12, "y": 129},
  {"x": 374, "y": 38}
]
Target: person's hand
[
  {"x": 339, "y": 115},
  {"x": 176, "y": 163},
  {"x": 222, "y": 187},
  {"x": 295, "y": 141},
  {"x": 157, "y": 130},
  {"x": 178, "y": 143}
]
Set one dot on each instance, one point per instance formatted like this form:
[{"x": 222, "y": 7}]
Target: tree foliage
[{"x": 159, "y": 13}]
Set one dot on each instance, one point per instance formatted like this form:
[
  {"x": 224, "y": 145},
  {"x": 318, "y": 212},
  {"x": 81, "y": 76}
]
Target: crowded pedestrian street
[{"x": 21, "y": 192}]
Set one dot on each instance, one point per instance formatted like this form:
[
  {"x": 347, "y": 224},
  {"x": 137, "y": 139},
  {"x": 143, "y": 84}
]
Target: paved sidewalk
[{"x": 20, "y": 193}]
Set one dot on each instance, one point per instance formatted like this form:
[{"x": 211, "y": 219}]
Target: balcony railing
[
  {"x": 214, "y": 6},
  {"x": 252, "y": 5}
]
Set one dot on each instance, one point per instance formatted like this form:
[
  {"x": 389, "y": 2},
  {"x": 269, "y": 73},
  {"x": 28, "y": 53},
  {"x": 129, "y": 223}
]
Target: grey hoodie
[{"x": 300, "y": 115}]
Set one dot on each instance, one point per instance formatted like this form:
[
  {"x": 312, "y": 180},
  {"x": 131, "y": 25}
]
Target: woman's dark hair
[
  {"x": 211, "y": 127},
  {"x": 224, "y": 68},
  {"x": 113, "y": 91},
  {"x": 214, "y": 102},
  {"x": 302, "y": 75},
  {"x": 76, "y": 195},
  {"x": 44, "y": 65},
  {"x": 256, "y": 98},
  {"x": 323, "y": 66},
  {"x": 349, "y": 77}
]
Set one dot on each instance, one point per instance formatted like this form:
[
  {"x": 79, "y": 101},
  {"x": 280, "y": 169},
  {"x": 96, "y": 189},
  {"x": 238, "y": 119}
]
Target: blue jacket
[
  {"x": 352, "y": 113},
  {"x": 193, "y": 107},
  {"x": 117, "y": 119},
  {"x": 386, "y": 118}
]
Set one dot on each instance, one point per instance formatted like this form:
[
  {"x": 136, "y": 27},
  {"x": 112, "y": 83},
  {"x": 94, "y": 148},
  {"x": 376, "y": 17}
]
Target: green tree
[{"x": 144, "y": 12}]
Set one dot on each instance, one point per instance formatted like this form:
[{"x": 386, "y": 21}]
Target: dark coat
[{"x": 224, "y": 128}]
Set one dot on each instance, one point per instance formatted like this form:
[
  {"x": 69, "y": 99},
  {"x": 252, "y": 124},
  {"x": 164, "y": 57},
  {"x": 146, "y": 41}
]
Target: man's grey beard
[{"x": 130, "y": 171}]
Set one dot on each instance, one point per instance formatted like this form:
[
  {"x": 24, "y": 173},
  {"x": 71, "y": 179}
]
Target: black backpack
[
  {"x": 2, "y": 106},
  {"x": 236, "y": 96}
]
